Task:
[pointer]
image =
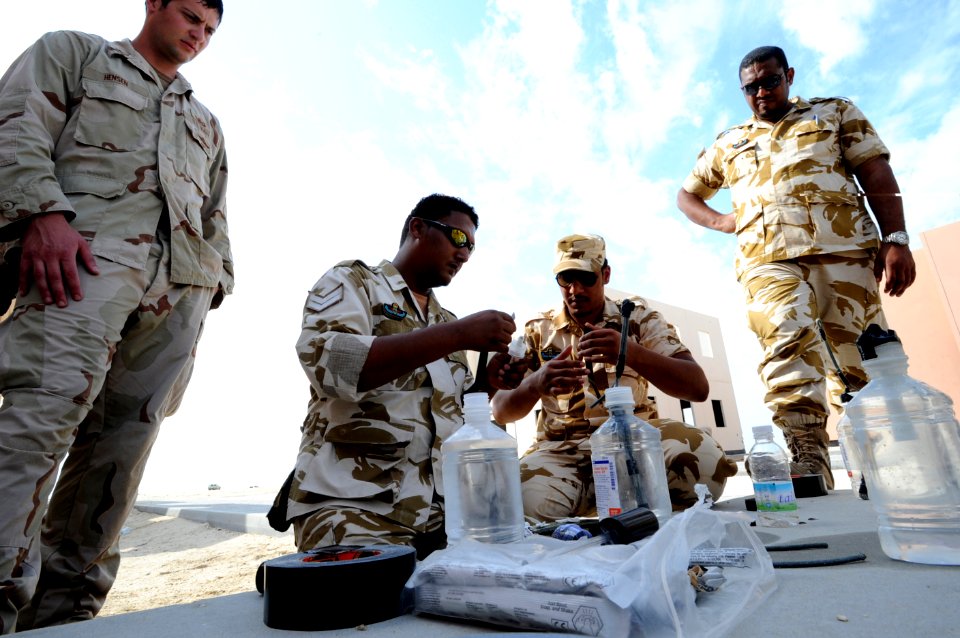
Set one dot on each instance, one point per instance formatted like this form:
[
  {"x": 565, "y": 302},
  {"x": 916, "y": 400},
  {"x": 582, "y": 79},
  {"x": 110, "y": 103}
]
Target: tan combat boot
[{"x": 808, "y": 443}]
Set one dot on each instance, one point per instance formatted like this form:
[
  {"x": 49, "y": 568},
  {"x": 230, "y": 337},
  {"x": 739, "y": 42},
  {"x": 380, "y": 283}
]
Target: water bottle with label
[
  {"x": 627, "y": 458},
  {"x": 481, "y": 479},
  {"x": 772, "y": 485},
  {"x": 908, "y": 439}
]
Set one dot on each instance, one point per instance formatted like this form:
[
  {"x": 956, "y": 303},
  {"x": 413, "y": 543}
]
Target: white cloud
[{"x": 835, "y": 30}]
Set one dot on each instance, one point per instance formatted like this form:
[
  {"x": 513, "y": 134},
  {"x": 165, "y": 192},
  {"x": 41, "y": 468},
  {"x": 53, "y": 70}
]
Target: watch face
[{"x": 897, "y": 237}]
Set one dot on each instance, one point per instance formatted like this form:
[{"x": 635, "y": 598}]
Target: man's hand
[
  {"x": 600, "y": 344},
  {"x": 699, "y": 212},
  {"x": 560, "y": 375},
  {"x": 505, "y": 374},
  {"x": 49, "y": 256},
  {"x": 895, "y": 264},
  {"x": 486, "y": 331},
  {"x": 725, "y": 223}
]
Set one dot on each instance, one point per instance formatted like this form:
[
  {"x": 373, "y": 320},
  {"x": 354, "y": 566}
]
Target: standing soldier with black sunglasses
[
  {"x": 387, "y": 369},
  {"x": 573, "y": 354},
  {"x": 808, "y": 252}
]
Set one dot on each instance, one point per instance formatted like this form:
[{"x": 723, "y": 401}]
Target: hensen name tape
[
  {"x": 560, "y": 613},
  {"x": 336, "y": 587}
]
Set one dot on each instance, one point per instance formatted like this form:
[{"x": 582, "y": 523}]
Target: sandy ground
[{"x": 168, "y": 561}]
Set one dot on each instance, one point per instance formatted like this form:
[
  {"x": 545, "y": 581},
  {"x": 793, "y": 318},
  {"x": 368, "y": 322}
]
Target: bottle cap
[
  {"x": 762, "y": 430},
  {"x": 476, "y": 401},
  {"x": 518, "y": 348},
  {"x": 873, "y": 337},
  {"x": 619, "y": 395}
]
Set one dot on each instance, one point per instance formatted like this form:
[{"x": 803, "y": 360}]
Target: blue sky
[{"x": 550, "y": 117}]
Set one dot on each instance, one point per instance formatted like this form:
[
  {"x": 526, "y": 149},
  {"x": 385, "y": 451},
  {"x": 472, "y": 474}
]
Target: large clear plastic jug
[{"x": 908, "y": 440}]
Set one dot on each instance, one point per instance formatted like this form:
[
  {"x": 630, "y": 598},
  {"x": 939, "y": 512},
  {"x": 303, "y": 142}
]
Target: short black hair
[
  {"x": 210, "y": 4},
  {"x": 436, "y": 207},
  {"x": 762, "y": 54}
]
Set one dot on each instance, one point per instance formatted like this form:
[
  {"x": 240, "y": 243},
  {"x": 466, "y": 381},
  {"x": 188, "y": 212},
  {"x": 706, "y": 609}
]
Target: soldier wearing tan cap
[{"x": 573, "y": 354}]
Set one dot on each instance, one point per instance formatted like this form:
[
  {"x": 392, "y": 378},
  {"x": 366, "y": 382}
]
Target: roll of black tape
[{"x": 336, "y": 587}]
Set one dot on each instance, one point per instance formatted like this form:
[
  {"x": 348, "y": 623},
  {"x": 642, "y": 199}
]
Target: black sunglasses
[
  {"x": 582, "y": 277},
  {"x": 767, "y": 84},
  {"x": 456, "y": 236}
]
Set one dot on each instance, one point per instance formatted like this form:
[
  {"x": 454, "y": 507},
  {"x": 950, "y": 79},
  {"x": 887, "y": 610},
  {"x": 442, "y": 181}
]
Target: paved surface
[{"x": 877, "y": 597}]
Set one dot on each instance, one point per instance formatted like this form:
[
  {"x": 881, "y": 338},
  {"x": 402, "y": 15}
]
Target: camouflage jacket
[
  {"x": 792, "y": 182},
  {"x": 87, "y": 129},
  {"x": 376, "y": 450},
  {"x": 574, "y": 416}
]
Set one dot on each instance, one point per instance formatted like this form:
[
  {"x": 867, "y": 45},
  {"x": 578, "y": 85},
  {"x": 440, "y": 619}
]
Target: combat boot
[{"x": 808, "y": 443}]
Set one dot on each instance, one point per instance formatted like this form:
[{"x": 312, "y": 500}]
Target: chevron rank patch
[{"x": 321, "y": 301}]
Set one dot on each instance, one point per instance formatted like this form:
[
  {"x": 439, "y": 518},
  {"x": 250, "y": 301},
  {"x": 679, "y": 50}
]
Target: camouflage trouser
[
  {"x": 352, "y": 526},
  {"x": 94, "y": 379},
  {"x": 557, "y": 476},
  {"x": 784, "y": 301}
]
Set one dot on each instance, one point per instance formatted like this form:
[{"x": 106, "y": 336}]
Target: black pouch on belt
[
  {"x": 336, "y": 587},
  {"x": 277, "y": 516}
]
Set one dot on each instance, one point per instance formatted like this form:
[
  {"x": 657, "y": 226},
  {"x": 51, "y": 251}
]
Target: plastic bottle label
[
  {"x": 606, "y": 486},
  {"x": 776, "y": 496}
]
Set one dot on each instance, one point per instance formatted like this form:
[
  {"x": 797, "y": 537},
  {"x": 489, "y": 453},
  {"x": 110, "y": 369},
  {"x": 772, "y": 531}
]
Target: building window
[
  {"x": 706, "y": 345},
  {"x": 718, "y": 414},
  {"x": 686, "y": 412}
]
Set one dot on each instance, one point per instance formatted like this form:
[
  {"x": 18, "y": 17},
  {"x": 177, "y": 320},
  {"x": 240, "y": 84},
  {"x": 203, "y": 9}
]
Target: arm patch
[{"x": 318, "y": 302}]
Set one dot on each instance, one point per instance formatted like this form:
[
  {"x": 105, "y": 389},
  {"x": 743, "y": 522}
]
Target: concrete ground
[{"x": 876, "y": 597}]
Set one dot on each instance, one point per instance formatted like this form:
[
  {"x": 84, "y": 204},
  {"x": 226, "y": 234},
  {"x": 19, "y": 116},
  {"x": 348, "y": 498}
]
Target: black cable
[
  {"x": 846, "y": 396},
  {"x": 825, "y": 562},
  {"x": 796, "y": 547}
]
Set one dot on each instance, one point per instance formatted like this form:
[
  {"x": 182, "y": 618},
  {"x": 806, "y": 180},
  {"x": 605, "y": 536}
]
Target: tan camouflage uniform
[
  {"x": 140, "y": 172},
  {"x": 806, "y": 247},
  {"x": 369, "y": 462},
  {"x": 556, "y": 472}
]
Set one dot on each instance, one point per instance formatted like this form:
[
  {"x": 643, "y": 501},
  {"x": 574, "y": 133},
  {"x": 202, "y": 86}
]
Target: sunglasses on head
[
  {"x": 767, "y": 84},
  {"x": 456, "y": 236},
  {"x": 582, "y": 277}
]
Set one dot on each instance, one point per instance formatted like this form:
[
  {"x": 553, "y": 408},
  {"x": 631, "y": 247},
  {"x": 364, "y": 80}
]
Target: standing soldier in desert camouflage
[
  {"x": 808, "y": 252},
  {"x": 573, "y": 353},
  {"x": 387, "y": 371},
  {"x": 106, "y": 159}
]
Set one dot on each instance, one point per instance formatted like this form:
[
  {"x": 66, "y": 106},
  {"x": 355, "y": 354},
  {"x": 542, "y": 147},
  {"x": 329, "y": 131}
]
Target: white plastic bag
[{"x": 600, "y": 590}]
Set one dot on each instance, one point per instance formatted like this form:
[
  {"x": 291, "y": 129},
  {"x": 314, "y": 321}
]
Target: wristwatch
[{"x": 899, "y": 237}]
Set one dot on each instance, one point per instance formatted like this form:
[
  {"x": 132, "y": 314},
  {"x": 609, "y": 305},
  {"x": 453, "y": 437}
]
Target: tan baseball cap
[{"x": 581, "y": 252}]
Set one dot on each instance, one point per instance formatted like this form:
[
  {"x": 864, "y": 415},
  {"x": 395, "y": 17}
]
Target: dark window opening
[{"x": 718, "y": 414}]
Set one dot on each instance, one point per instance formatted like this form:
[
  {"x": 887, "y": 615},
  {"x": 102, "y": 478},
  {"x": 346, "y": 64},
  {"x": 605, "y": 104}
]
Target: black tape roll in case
[{"x": 336, "y": 587}]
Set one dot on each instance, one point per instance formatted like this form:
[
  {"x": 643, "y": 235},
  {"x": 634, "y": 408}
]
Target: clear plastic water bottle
[
  {"x": 908, "y": 439},
  {"x": 481, "y": 479},
  {"x": 772, "y": 485},
  {"x": 851, "y": 457},
  {"x": 628, "y": 465}
]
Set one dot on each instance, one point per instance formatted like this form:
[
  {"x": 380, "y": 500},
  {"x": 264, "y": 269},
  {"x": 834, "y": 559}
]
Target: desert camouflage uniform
[
  {"x": 369, "y": 462},
  {"x": 556, "y": 472},
  {"x": 799, "y": 211},
  {"x": 139, "y": 170}
]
